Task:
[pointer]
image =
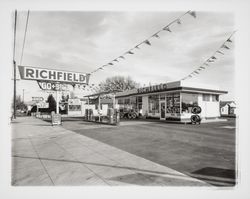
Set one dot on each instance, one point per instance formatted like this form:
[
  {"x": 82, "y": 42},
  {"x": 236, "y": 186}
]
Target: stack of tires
[
  {"x": 196, "y": 119},
  {"x": 132, "y": 115}
]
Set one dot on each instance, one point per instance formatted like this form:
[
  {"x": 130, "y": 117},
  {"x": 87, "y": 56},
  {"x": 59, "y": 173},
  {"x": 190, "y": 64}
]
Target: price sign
[
  {"x": 52, "y": 86},
  {"x": 56, "y": 119},
  {"x": 42, "y": 105},
  {"x": 37, "y": 99}
]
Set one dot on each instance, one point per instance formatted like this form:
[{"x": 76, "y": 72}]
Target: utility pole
[{"x": 14, "y": 65}]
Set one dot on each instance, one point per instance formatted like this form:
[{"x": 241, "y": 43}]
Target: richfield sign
[{"x": 32, "y": 73}]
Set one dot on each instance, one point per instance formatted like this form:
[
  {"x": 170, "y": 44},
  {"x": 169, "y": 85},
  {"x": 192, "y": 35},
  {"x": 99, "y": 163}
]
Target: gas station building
[{"x": 172, "y": 101}]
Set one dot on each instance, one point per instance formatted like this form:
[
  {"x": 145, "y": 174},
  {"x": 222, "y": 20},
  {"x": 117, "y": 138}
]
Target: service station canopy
[{"x": 43, "y": 74}]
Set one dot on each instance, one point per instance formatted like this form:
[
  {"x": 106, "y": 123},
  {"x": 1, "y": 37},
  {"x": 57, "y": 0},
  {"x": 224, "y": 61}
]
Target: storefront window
[
  {"x": 188, "y": 101},
  {"x": 133, "y": 102},
  {"x": 173, "y": 103},
  {"x": 128, "y": 103},
  {"x": 153, "y": 103},
  {"x": 120, "y": 101},
  {"x": 206, "y": 97},
  {"x": 215, "y": 98},
  {"x": 74, "y": 107},
  {"x": 139, "y": 102},
  {"x": 162, "y": 97}
]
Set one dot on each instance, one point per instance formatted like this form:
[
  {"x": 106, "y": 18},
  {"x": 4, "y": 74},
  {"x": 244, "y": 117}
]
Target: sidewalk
[{"x": 51, "y": 155}]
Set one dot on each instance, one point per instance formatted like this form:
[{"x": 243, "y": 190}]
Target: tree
[
  {"x": 20, "y": 105},
  {"x": 52, "y": 103},
  {"x": 118, "y": 83}
]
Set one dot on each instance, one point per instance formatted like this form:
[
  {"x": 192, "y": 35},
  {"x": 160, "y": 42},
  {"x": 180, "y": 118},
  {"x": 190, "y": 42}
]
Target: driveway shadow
[{"x": 216, "y": 176}]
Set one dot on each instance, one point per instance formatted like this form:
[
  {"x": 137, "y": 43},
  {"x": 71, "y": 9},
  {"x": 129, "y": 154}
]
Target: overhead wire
[{"x": 24, "y": 38}]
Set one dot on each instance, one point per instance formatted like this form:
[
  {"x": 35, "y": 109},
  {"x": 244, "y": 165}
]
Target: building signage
[
  {"x": 42, "y": 105},
  {"x": 155, "y": 88},
  {"x": 52, "y": 86},
  {"x": 56, "y": 119},
  {"x": 37, "y": 99},
  {"x": 31, "y": 73}
]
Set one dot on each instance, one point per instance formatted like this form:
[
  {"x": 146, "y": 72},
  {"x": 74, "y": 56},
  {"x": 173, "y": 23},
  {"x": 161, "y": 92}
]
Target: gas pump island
[{"x": 53, "y": 80}]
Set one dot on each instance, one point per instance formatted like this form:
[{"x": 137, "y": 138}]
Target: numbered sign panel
[{"x": 52, "y": 86}]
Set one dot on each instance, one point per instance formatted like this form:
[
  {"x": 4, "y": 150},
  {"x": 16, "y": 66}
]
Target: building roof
[
  {"x": 102, "y": 93},
  {"x": 173, "y": 86},
  {"x": 224, "y": 103}
]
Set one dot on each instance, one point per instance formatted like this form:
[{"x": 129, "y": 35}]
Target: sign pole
[
  {"x": 57, "y": 102},
  {"x": 14, "y": 65},
  {"x": 99, "y": 107},
  {"x": 14, "y": 102}
]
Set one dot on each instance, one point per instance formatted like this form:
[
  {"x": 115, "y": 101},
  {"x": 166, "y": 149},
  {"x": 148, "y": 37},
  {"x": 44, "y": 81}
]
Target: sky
[{"x": 84, "y": 41}]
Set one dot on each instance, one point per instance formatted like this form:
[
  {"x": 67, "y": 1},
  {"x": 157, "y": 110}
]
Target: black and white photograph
[{"x": 117, "y": 98}]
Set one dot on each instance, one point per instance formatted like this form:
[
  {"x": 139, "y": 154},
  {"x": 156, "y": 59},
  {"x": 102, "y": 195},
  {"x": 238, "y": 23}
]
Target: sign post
[
  {"x": 56, "y": 119},
  {"x": 57, "y": 102},
  {"x": 54, "y": 80}
]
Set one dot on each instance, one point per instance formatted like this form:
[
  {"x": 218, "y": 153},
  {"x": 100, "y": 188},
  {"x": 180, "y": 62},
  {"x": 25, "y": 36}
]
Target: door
[{"x": 163, "y": 110}]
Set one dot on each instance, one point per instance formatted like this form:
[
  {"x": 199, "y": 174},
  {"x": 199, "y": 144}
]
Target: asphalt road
[{"x": 205, "y": 151}]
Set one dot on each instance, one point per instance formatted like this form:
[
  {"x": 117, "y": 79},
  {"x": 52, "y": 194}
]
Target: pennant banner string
[
  {"x": 147, "y": 41},
  {"x": 212, "y": 58}
]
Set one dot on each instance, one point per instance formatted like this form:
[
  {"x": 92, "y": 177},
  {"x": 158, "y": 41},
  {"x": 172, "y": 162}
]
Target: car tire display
[
  {"x": 196, "y": 110},
  {"x": 196, "y": 119}
]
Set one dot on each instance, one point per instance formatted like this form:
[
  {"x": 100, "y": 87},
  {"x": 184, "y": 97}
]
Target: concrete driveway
[{"x": 206, "y": 151}]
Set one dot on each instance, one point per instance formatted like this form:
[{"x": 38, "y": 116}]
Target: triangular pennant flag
[
  {"x": 229, "y": 40},
  {"x": 147, "y": 42},
  {"x": 116, "y": 60},
  {"x": 213, "y": 57},
  {"x": 129, "y": 52},
  {"x": 192, "y": 13},
  {"x": 209, "y": 60},
  {"x": 122, "y": 57},
  {"x": 202, "y": 67},
  {"x": 196, "y": 72},
  {"x": 167, "y": 29},
  {"x": 224, "y": 46},
  {"x": 110, "y": 63},
  {"x": 199, "y": 69},
  {"x": 137, "y": 47},
  {"x": 156, "y": 35},
  {"x": 101, "y": 68},
  {"x": 220, "y": 52},
  {"x": 178, "y": 21}
]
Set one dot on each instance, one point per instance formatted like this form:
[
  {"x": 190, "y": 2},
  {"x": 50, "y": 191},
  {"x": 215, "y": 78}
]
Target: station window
[
  {"x": 74, "y": 107},
  {"x": 120, "y": 101},
  {"x": 153, "y": 103},
  {"x": 139, "y": 102},
  {"x": 215, "y": 98},
  {"x": 189, "y": 100},
  {"x": 206, "y": 97},
  {"x": 133, "y": 103},
  {"x": 162, "y": 97},
  {"x": 173, "y": 103},
  {"x": 127, "y": 101}
]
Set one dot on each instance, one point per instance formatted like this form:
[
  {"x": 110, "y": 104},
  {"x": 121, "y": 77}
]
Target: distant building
[{"x": 228, "y": 108}]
